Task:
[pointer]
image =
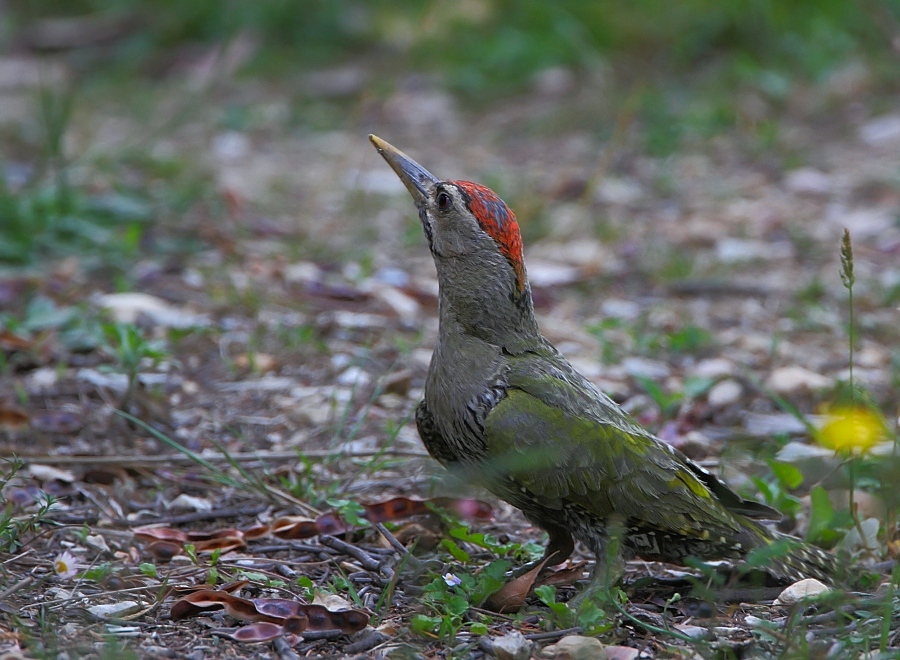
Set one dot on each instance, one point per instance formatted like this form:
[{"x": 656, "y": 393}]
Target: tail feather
[{"x": 787, "y": 557}]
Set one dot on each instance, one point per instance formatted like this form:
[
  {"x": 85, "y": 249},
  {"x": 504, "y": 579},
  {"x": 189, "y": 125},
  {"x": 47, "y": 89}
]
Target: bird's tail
[{"x": 787, "y": 557}]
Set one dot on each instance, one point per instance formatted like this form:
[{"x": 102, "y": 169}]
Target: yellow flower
[{"x": 852, "y": 429}]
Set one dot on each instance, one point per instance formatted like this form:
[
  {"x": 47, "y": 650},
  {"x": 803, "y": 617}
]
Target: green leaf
[
  {"x": 764, "y": 489},
  {"x": 821, "y": 515},
  {"x": 789, "y": 476},
  {"x": 254, "y": 576},
  {"x": 424, "y": 624},
  {"x": 147, "y": 569},
  {"x": 455, "y": 551},
  {"x": 591, "y": 618},
  {"x": 489, "y": 580},
  {"x": 695, "y": 386}
]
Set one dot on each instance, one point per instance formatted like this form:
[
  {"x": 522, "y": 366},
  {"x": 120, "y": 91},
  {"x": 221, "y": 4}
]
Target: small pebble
[
  {"x": 724, "y": 393},
  {"x": 798, "y": 591},
  {"x": 115, "y": 610}
]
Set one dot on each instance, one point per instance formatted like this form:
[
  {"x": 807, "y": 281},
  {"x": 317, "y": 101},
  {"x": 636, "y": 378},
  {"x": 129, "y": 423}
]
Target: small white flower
[
  {"x": 451, "y": 580},
  {"x": 66, "y": 565}
]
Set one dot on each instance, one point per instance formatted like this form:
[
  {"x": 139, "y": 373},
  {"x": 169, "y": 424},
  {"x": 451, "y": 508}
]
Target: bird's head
[
  {"x": 461, "y": 219},
  {"x": 477, "y": 248}
]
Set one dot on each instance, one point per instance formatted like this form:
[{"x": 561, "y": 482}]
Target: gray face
[{"x": 449, "y": 225}]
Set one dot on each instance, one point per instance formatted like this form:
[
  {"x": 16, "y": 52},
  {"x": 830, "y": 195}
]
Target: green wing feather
[{"x": 555, "y": 435}]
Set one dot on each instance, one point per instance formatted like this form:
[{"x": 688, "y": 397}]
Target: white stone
[
  {"x": 48, "y": 473},
  {"x": 732, "y": 250},
  {"x": 622, "y": 309},
  {"x": 553, "y": 81},
  {"x": 762, "y": 424},
  {"x": 808, "y": 181},
  {"x": 724, "y": 393},
  {"x": 354, "y": 320},
  {"x": 230, "y": 146},
  {"x": 302, "y": 271},
  {"x": 127, "y": 307},
  {"x": 881, "y": 131},
  {"x": 807, "y": 588},
  {"x": 405, "y": 306},
  {"x": 794, "y": 378},
  {"x": 694, "y": 632},
  {"x": 116, "y": 382},
  {"x": 97, "y": 542},
  {"x": 864, "y": 223},
  {"x": 867, "y": 541},
  {"x": 190, "y": 503},
  {"x": 575, "y": 647},
  {"x": 794, "y": 452},
  {"x": 511, "y": 646},
  {"x": 619, "y": 191},
  {"x": 264, "y": 384},
  {"x": 714, "y": 368},
  {"x": 41, "y": 379},
  {"x": 115, "y": 610},
  {"x": 354, "y": 376},
  {"x": 547, "y": 274},
  {"x": 646, "y": 368}
]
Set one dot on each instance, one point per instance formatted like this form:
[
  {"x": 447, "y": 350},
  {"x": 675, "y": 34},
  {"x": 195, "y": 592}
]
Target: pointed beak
[{"x": 418, "y": 181}]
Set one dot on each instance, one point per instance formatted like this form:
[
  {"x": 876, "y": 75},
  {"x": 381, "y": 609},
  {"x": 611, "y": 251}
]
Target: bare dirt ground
[{"x": 294, "y": 309}]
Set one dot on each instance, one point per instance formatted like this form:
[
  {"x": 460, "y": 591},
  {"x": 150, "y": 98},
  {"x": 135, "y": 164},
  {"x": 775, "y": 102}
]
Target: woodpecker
[{"x": 506, "y": 411}]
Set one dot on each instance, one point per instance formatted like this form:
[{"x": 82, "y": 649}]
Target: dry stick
[
  {"x": 553, "y": 634},
  {"x": 165, "y": 459},
  {"x": 366, "y": 560},
  {"x": 21, "y": 584},
  {"x": 284, "y": 650},
  {"x": 386, "y": 533}
]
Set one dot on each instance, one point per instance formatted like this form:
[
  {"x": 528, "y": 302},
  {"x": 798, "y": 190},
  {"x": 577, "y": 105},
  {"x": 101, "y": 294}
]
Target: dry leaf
[{"x": 511, "y": 596}]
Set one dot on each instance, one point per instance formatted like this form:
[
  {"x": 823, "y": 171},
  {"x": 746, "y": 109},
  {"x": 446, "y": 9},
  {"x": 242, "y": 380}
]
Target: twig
[
  {"x": 322, "y": 634},
  {"x": 213, "y": 514},
  {"x": 386, "y": 533},
  {"x": 21, "y": 584},
  {"x": 284, "y": 650},
  {"x": 181, "y": 459},
  {"x": 553, "y": 634},
  {"x": 369, "y": 640},
  {"x": 366, "y": 560}
]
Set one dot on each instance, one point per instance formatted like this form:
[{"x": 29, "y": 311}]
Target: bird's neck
[{"x": 491, "y": 310}]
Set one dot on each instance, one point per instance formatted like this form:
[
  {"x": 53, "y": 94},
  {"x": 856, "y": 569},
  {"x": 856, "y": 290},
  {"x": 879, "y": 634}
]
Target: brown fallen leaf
[
  {"x": 403, "y": 507},
  {"x": 163, "y": 550},
  {"x": 511, "y": 596},
  {"x": 222, "y": 544},
  {"x": 294, "y": 527},
  {"x": 264, "y": 631},
  {"x": 11, "y": 342},
  {"x": 563, "y": 577},
  {"x": 317, "y": 617},
  {"x": 13, "y": 419},
  {"x": 424, "y": 537},
  {"x": 255, "y": 633},
  {"x": 160, "y": 534}
]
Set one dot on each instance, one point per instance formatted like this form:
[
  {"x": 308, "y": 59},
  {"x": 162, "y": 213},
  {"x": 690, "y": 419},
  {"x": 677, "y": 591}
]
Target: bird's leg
[
  {"x": 559, "y": 547},
  {"x": 609, "y": 565}
]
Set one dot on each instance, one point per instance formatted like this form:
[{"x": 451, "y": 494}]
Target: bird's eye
[{"x": 443, "y": 201}]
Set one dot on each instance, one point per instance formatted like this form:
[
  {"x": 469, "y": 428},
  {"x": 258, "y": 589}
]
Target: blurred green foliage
[
  {"x": 490, "y": 47},
  {"x": 675, "y": 67}
]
